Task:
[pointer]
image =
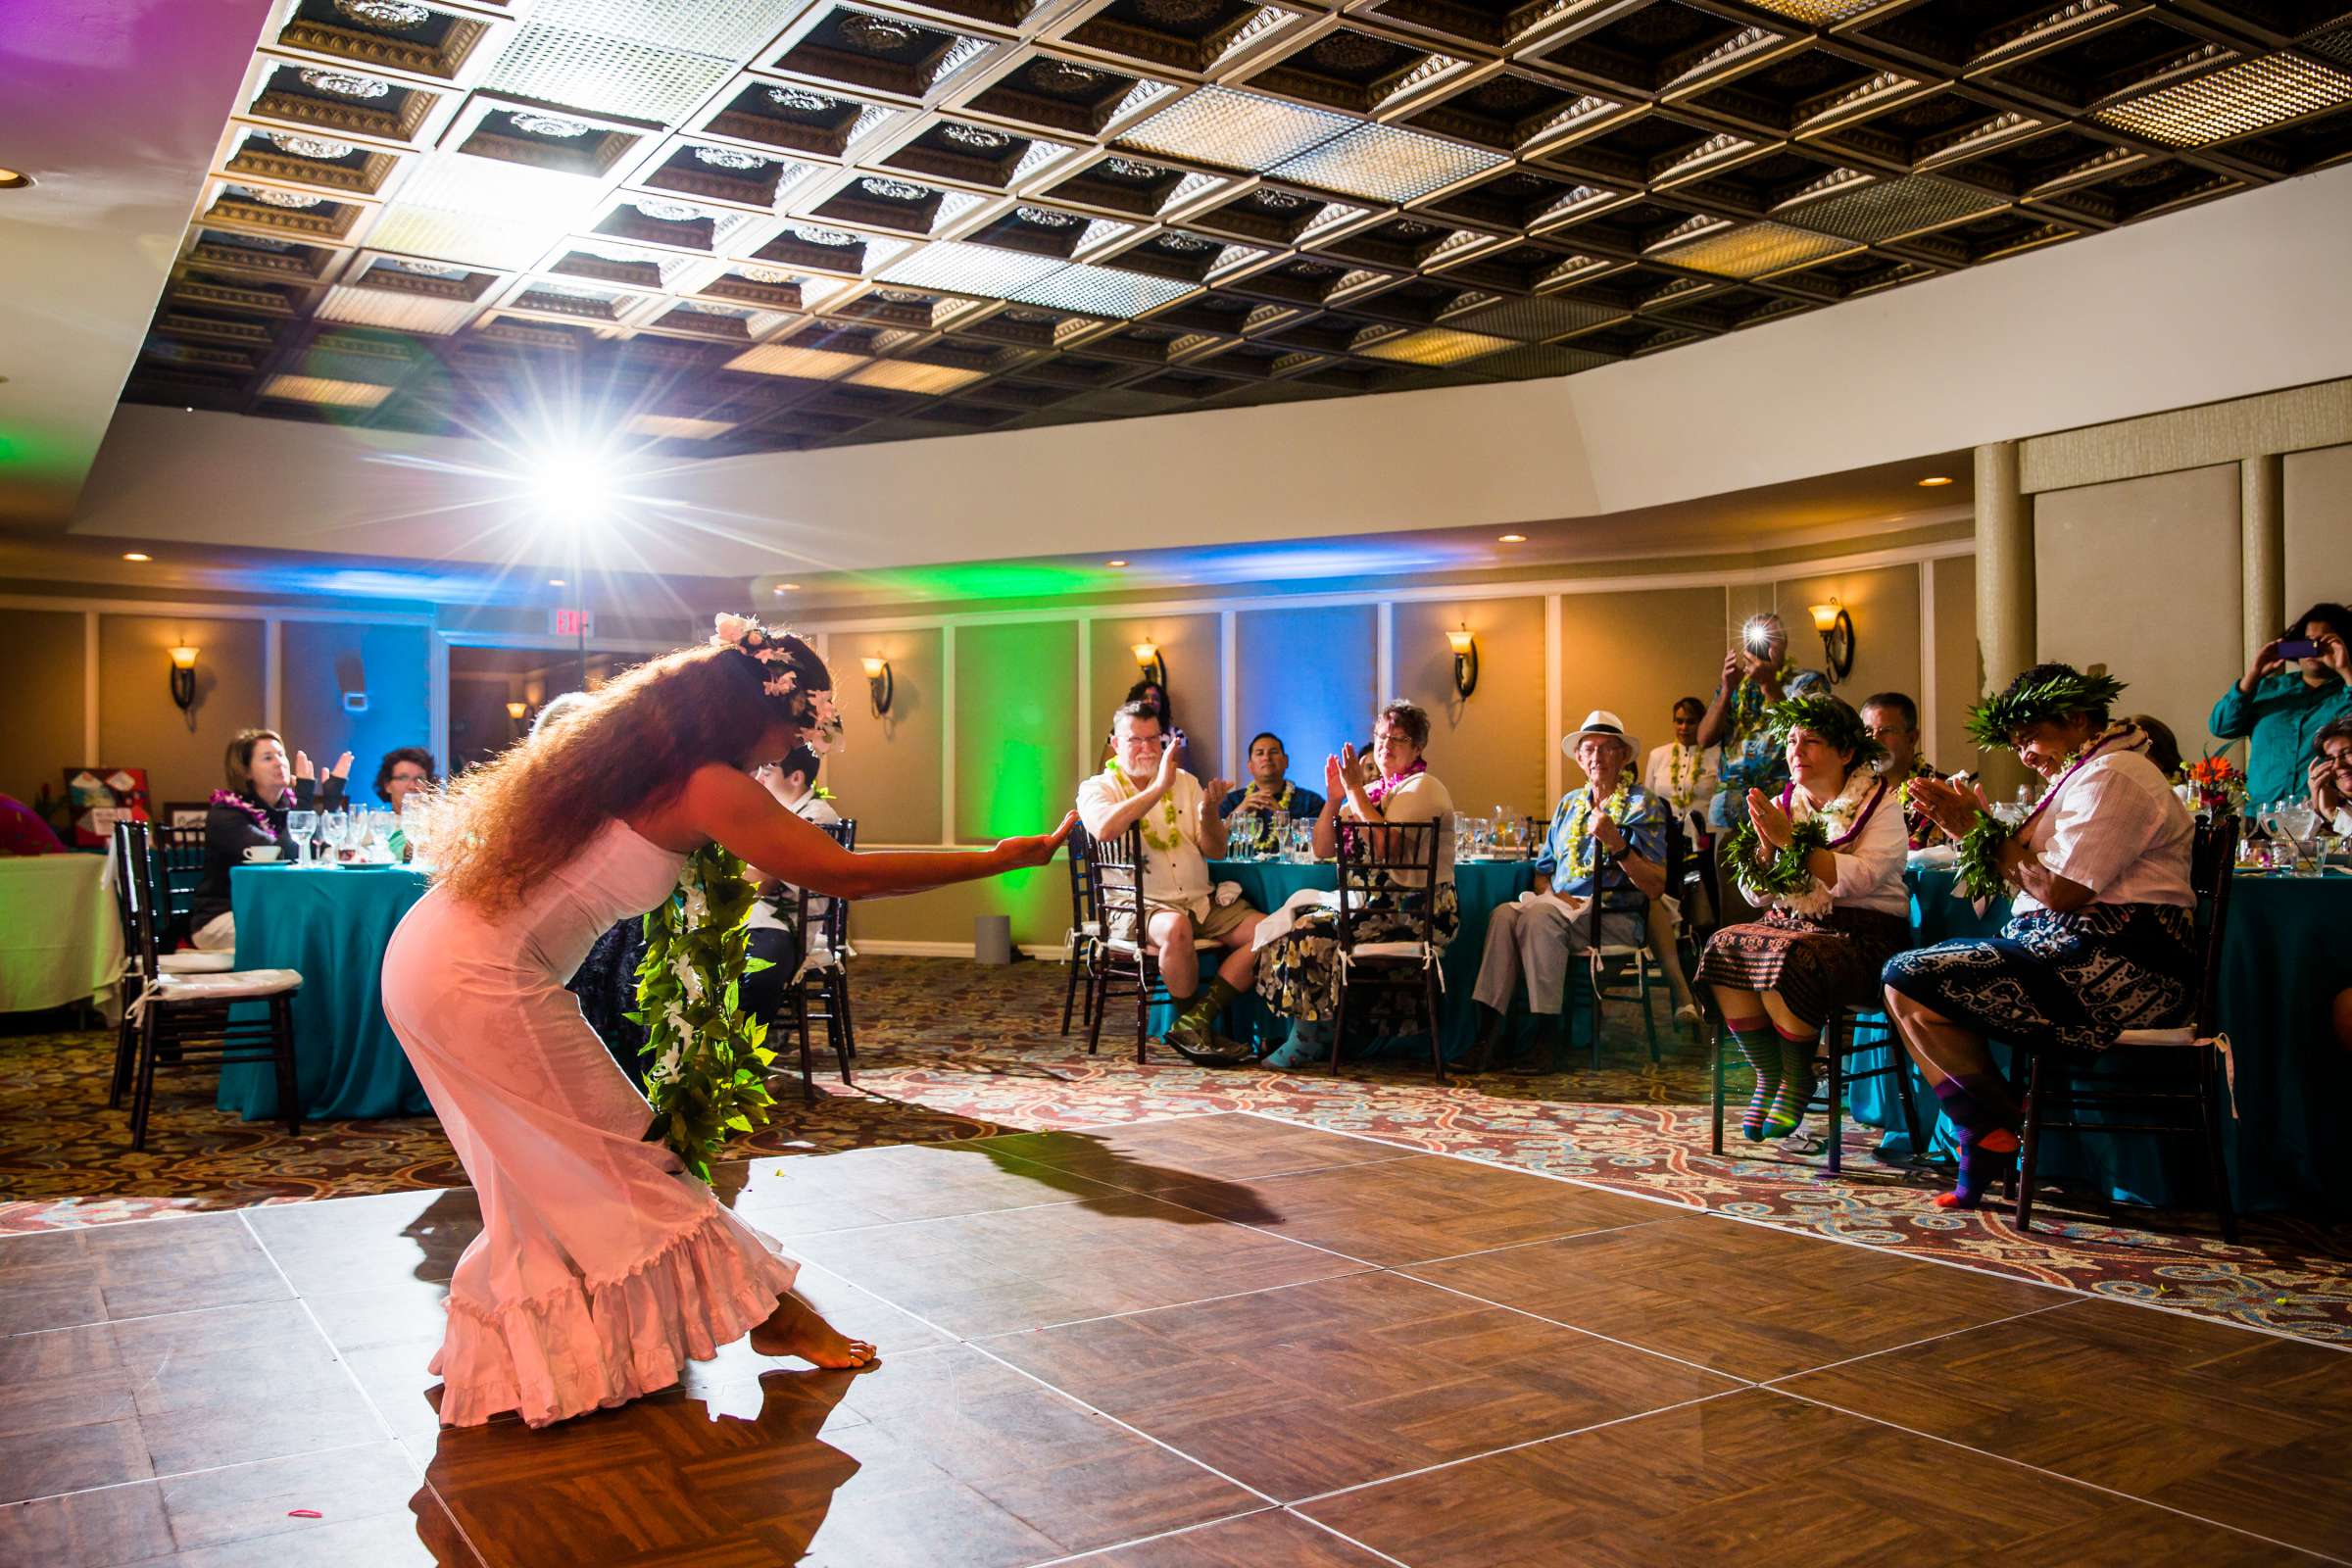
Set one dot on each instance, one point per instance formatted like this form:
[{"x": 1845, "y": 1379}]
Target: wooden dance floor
[{"x": 1221, "y": 1339}]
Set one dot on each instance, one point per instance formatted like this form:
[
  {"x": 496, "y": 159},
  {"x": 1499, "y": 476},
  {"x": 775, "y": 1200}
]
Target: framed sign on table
[{"x": 101, "y": 797}]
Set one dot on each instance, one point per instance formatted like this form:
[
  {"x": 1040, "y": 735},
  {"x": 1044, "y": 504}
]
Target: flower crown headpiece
[
  {"x": 1828, "y": 717},
  {"x": 811, "y": 710},
  {"x": 1993, "y": 721}
]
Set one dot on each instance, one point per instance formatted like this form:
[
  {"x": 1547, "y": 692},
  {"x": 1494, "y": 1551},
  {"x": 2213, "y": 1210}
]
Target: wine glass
[
  {"x": 300, "y": 825},
  {"x": 334, "y": 829}
]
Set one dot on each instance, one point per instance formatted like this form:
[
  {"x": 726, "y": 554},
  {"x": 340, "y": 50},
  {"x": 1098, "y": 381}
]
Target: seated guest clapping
[
  {"x": 251, "y": 813},
  {"x": 1824, "y": 856},
  {"x": 1300, "y": 973},
  {"x": 1602, "y": 861},
  {"x": 2101, "y": 933},
  {"x": 1250, "y": 815},
  {"x": 1181, "y": 831},
  {"x": 2329, "y": 776},
  {"x": 774, "y": 923},
  {"x": 1892, "y": 721}
]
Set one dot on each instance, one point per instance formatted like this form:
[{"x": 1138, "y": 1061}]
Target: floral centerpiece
[{"x": 2220, "y": 783}]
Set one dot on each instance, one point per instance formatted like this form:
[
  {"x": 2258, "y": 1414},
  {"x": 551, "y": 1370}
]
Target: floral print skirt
[
  {"x": 1298, "y": 972},
  {"x": 2073, "y": 981}
]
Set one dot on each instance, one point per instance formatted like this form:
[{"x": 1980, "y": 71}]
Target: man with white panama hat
[{"x": 1606, "y": 850}]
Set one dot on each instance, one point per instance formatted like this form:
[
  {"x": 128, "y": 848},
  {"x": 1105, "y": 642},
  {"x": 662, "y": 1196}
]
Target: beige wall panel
[
  {"x": 1635, "y": 653},
  {"x": 1188, "y": 644},
  {"x": 1017, "y": 747},
  {"x": 1037, "y": 900},
  {"x": 1958, "y": 671},
  {"x": 2318, "y": 528},
  {"x": 2142, "y": 577},
  {"x": 1884, "y": 606},
  {"x": 41, "y": 701},
  {"x": 887, "y": 775},
  {"x": 1489, "y": 749},
  {"x": 137, "y": 724}
]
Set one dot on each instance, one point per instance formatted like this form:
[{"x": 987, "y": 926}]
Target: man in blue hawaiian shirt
[{"x": 1606, "y": 850}]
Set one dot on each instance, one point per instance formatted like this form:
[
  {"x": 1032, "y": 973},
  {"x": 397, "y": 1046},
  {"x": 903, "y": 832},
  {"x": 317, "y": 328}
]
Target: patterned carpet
[{"x": 952, "y": 1049}]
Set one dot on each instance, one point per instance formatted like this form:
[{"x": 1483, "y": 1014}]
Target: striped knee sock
[
  {"x": 1796, "y": 1081},
  {"x": 1762, "y": 1048}
]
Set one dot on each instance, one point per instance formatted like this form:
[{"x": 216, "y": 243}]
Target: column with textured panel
[
  {"x": 2262, "y": 542},
  {"x": 2004, "y": 587}
]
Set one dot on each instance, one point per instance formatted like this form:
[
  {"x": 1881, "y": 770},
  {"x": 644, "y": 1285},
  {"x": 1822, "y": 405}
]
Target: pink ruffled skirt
[{"x": 601, "y": 1266}]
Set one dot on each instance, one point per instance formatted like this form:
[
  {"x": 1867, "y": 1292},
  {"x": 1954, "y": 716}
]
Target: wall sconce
[
  {"x": 879, "y": 684},
  {"x": 1465, "y": 660},
  {"x": 515, "y": 710},
  {"x": 183, "y": 682},
  {"x": 1155, "y": 667},
  {"x": 1837, "y": 629}
]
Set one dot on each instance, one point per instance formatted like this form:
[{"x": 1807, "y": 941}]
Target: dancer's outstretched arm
[{"x": 728, "y": 804}]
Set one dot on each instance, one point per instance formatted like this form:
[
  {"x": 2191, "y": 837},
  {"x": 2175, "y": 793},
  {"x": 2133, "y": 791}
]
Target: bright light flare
[{"x": 574, "y": 485}]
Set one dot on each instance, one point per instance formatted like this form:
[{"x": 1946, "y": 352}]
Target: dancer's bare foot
[{"x": 795, "y": 1329}]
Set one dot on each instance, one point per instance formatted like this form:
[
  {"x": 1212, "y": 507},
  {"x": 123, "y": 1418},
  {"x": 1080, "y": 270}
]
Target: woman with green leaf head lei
[
  {"x": 1823, "y": 856},
  {"x": 2100, "y": 936},
  {"x": 604, "y": 1262}
]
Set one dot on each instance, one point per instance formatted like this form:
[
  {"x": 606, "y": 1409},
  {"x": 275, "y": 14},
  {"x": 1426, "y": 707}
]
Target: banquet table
[
  {"x": 332, "y": 925},
  {"x": 1479, "y": 885},
  {"x": 60, "y": 941},
  {"x": 2284, "y": 957}
]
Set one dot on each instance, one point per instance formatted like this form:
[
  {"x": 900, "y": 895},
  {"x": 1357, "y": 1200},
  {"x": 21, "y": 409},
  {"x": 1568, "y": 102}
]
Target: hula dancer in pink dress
[{"x": 602, "y": 1265}]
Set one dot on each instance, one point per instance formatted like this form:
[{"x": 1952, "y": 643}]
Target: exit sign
[{"x": 572, "y": 623}]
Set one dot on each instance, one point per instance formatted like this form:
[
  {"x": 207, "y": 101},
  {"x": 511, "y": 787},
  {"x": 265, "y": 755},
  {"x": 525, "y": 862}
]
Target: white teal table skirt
[
  {"x": 332, "y": 925},
  {"x": 60, "y": 941}
]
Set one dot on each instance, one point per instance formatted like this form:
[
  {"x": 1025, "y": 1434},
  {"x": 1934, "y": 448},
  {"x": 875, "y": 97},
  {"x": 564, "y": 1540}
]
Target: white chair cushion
[
  {"x": 2157, "y": 1037},
  {"x": 193, "y": 962},
  {"x": 1124, "y": 946},
  {"x": 1617, "y": 950},
  {"x": 239, "y": 985},
  {"x": 1414, "y": 950}
]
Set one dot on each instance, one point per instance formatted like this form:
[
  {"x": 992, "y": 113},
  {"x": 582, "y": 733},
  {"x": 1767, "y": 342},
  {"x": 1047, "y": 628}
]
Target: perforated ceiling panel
[{"x": 788, "y": 223}]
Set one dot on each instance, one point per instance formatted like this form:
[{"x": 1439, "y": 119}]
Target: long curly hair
[{"x": 516, "y": 818}]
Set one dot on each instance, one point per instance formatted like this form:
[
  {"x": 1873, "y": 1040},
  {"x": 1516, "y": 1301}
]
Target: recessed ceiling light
[
  {"x": 13, "y": 180},
  {"x": 1114, "y": 563},
  {"x": 1935, "y": 480},
  {"x": 136, "y": 555},
  {"x": 555, "y": 582},
  {"x": 788, "y": 587},
  {"x": 1512, "y": 538}
]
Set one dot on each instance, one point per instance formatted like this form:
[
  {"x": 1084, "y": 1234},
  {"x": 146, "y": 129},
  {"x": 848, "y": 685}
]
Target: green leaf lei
[
  {"x": 1785, "y": 875},
  {"x": 1993, "y": 722},
  {"x": 1979, "y": 862},
  {"x": 708, "y": 1073}
]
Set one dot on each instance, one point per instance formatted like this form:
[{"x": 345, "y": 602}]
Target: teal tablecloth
[
  {"x": 1479, "y": 885},
  {"x": 333, "y": 926},
  {"x": 2287, "y": 951}
]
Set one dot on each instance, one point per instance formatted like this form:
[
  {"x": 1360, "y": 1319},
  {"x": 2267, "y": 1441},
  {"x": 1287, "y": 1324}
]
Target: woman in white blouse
[
  {"x": 1825, "y": 858},
  {"x": 2102, "y": 930}
]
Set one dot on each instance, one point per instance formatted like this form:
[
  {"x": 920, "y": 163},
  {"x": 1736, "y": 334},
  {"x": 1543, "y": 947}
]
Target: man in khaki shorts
[{"x": 1182, "y": 831}]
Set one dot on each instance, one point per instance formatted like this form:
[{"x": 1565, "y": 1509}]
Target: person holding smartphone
[
  {"x": 1756, "y": 674},
  {"x": 2298, "y": 684}
]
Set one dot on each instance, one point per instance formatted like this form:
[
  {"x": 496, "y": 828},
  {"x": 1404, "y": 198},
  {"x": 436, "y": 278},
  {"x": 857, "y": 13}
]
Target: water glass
[
  {"x": 334, "y": 829},
  {"x": 1277, "y": 833},
  {"x": 300, "y": 825}
]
